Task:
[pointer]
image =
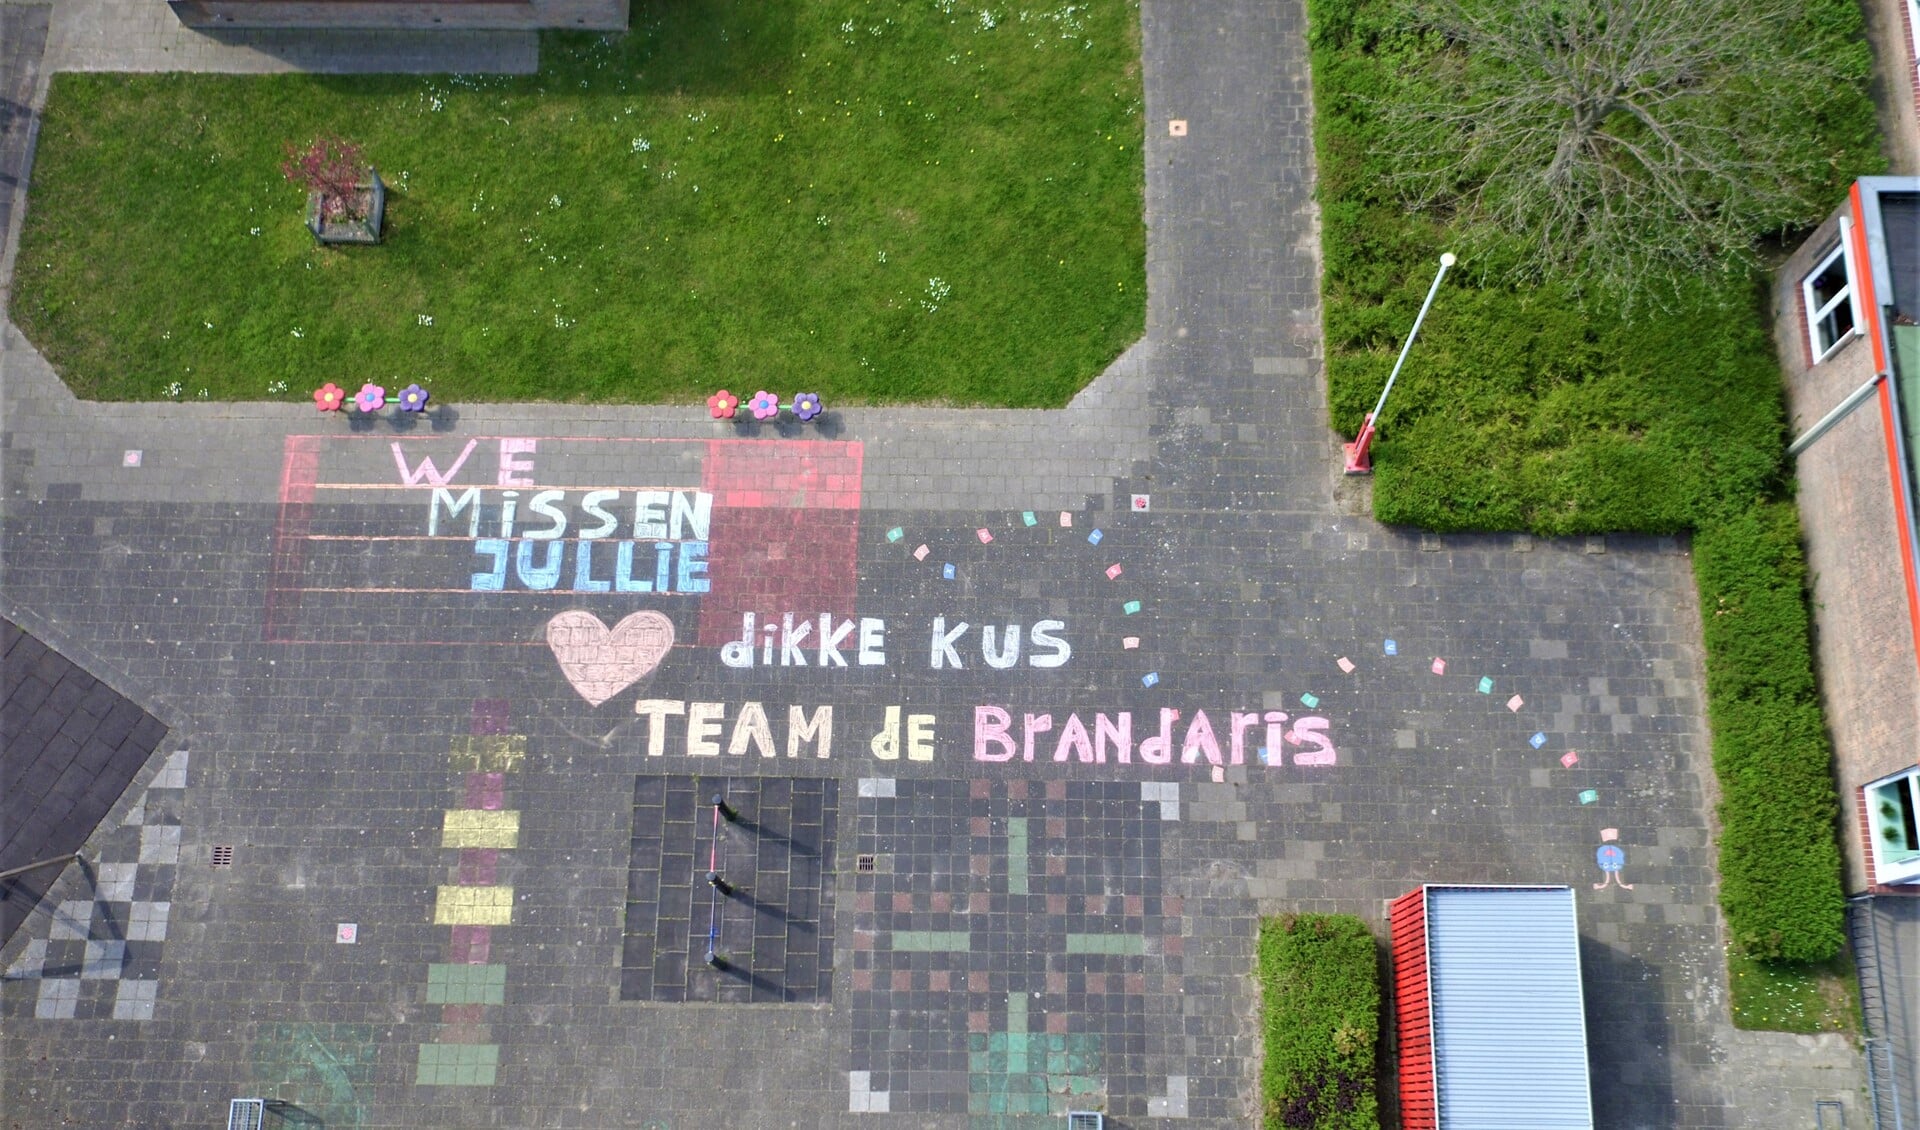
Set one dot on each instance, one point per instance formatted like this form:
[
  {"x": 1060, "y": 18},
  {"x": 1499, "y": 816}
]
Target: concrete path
[{"x": 383, "y": 740}]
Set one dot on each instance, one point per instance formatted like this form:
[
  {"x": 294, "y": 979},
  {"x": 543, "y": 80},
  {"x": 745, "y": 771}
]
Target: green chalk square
[
  {"x": 1027, "y": 517},
  {"x": 896, "y": 534},
  {"x": 458, "y": 1065},
  {"x": 466, "y": 984},
  {"x": 1486, "y": 685},
  {"x": 1310, "y": 700},
  {"x": 1588, "y": 796},
  {"x": 1130, "y": 607}
]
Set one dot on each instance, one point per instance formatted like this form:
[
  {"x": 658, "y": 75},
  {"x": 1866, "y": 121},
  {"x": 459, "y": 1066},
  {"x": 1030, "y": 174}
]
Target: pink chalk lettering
[
  {"x": 1240, "y": 723},
  {"x": 1159, "y": 750},
  {"x": 1031, "y": 725},
  {"x": 1119, "y": 731},
  {"x": 1313, "y": 731},
  {"x": 990, "y": 725},
  {"x": 1199, "y": 740},
  {"x": 1074, "y": 740},
  {"x": 426, "y": 470},
  {"x": 510, "y": 466}
]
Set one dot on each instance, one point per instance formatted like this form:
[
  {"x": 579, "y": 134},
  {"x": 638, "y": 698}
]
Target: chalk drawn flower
[
  {"x": 413, "y": 398},
  {"x": 329, "y": 397},
  {"x": 371, "y": 398},
  {"x": 765, "y": 405},
  {"x": 807, "y": 405},
  {"x": 721, "y": 405}
]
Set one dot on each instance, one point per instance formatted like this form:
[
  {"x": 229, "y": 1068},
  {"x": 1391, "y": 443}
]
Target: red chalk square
[
  {"x": 1515, "y": 703},
  {"x": 1439, "y": 666},
  {"x": 921, "y": 553},
  {"x": 1142, "y": 502},
  {"x": 130, "y": 459},
  {"x": 986, "y": 536},
  {"x": 1569, "y": 759},
  {"x": 1346, "y": 664},
  {"x": 1112, "y": 572},
  {"x": 1130, "y": 643},
  {"x": 1066, "y": 519},
  {"x": 1608, "y": 835},
  {"x": 347, "y": 933}
]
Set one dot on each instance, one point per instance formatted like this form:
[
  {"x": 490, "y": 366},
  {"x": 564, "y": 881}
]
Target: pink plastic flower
[
  {"x": 371, "y": 398},
  {"x": 721, "y": 405},
  {"x": 329, "y": 397},
  {"x": 765, "y": 405}
]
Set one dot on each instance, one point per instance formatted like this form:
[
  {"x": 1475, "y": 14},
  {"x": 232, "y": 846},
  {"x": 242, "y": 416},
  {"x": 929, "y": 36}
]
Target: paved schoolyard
[{"x": 1035, "y": 715}]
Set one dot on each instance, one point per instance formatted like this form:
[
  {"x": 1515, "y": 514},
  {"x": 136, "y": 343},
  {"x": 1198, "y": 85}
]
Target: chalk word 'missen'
[{"x": 1112, "y": 738}]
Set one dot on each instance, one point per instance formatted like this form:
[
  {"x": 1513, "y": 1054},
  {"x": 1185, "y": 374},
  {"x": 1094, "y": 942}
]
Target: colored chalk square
[
  {"x": 1094, "y": 537},
  {"x": 1569, "y": 759},
  {"x": 1588, "y": 796},
  {"x": 1309, "y": 701},
  {"x": 1608, "y": 835},
  {"x": 1486, "y": 685},
  {"x": 1219, "y": 774},
  {"x": 1130, "y": 607},
  {"x": 946, "y": 571},
  {"x": 1345, "y": 664},
  {"x": 1027, "y": 517},
  {"x": 1112, "y": 572},
  {"x": 986, "y": 536},
  {"x": 1292, "y": 738},
  {"x": 1066, "y": 520},
  {"x": 1129, "y": 643},
  {"x": 1151, "y": 678},
  {"x": 896, "y": 534},
  {"x": 1515, "y": 703},
  {"x": 130, "y": 458},
  {"x": 1537, "y": 740},
  {"x": 1142, "y": 503},
  {"x": 1392, "y": 647},
  {"x": 920, "y": 554},
  {"x": 1439, "y": 666},
  {"x": 347, "y": 933}
]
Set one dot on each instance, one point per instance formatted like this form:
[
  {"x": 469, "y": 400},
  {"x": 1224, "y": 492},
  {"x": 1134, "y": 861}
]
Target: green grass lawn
[
  {"x": 882, "y": 200},
  {"x": 1794, "y": 998}
]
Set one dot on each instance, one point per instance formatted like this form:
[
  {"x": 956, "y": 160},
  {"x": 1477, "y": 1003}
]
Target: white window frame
[
  {"x": 1886, "y": 870},
  {"x": 1818, "y": 313}
]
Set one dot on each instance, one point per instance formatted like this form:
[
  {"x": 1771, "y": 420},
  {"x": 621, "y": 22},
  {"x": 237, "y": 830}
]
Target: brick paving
[{"x": 1048, "y": 847}]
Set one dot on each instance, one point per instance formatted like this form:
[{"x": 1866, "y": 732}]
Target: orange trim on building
[
  {"x": 1900, "y": 510},
  {"x": 1865, "y": 300}
]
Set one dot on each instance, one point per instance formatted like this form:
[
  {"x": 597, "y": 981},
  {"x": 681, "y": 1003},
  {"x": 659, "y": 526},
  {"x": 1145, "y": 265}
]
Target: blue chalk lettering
[
  {"x": 547, "y": 574},
  {"x": 495, "y": 579},
  {"x": 583, "y": 569},
  {"x": 693, "y": 567},
  {"x": 623, "y": 571}
]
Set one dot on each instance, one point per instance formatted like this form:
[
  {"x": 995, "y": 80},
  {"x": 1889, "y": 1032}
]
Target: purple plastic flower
[
  {"x": 371, "y": 398},
  {"x": 765, "y": 405},
  {"x": 807, "y": 405},
  {"x": 413, "y": 398}
]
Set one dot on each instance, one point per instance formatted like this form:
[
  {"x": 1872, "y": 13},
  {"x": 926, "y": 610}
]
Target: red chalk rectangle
[
  {"x": 346, "y": 933},
  {"x": 920, "y": 554},
  {"x": 471, "y": 945},
  {"x": 1112, "y": 572},
  {"x": 1130, "y": 643},
  {"x": 1608, "y": 835},
  {"x": 1515, "y": 703},
  {"x": 1569, "y": 759},
  {"x": 1345, "y": 664},
  {"x": 1066, "y": 519},
  {"x": 1439, "y": 666},
  {"x": 986, "y": 536}
]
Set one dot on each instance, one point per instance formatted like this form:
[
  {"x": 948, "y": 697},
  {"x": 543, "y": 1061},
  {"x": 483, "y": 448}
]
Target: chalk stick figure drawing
[{"x": 1611, "y": 859}]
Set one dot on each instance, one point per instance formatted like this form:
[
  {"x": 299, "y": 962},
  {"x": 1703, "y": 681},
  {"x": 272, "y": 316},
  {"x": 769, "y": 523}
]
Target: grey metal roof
[{"x": 1509, "y": 1024}]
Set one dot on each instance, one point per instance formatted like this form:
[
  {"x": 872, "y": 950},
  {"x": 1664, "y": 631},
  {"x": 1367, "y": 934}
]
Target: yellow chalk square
[
  {"x": 478, "y": 828},
  {"x": 491, "y": 753},
  {"x": 474, "y": 906}
]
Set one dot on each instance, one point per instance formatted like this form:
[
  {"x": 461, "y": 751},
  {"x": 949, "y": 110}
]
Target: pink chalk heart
[{"x": 601, "y": 662}]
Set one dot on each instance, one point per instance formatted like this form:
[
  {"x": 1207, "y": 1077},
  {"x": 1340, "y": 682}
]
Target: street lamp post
[{"x": 1356, "y": 452}]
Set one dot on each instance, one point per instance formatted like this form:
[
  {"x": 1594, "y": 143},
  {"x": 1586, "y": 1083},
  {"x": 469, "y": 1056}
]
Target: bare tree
[{"x": 1618, "y": 142}]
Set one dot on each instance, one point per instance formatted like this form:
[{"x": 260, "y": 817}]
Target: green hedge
[
  {"x": 1320, "y": 993},
  {"x": 1544, "y": 410}
]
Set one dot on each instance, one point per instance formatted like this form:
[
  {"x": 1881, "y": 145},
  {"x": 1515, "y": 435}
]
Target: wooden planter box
[{"x": 373, "y": 205}]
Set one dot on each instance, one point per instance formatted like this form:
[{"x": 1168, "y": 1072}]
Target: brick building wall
[
  {"x": 1890, "y": 27},
  {"x": 593, "y": 15},
  {"x": 1869, "y": 679}
]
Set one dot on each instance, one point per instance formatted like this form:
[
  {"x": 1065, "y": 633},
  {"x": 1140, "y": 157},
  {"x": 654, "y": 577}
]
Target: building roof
[{"x": 1509, "y": 1019}]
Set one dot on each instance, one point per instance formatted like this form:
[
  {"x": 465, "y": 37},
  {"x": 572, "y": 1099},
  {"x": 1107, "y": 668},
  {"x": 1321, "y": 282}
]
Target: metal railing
[{"x": 1883, "y": 1074}]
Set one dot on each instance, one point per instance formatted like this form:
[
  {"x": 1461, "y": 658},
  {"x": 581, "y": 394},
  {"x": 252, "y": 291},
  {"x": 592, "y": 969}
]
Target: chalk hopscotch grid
[{"x": 100, "y": 957}]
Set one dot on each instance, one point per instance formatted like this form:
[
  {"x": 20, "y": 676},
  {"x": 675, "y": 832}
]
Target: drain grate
[
  {"x": 223, "y": 855},
  {"x": 863, "y": 864}
]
